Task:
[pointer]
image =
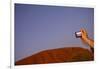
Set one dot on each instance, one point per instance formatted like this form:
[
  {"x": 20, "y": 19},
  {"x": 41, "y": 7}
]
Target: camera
[{"x": 78, "y": 34}]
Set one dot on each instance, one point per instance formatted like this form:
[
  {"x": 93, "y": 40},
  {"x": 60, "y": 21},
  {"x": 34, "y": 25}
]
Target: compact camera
[{"x": 78, "y": 34}]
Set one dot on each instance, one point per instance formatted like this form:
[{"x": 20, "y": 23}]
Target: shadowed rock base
[{"x": 60, "y": 55}]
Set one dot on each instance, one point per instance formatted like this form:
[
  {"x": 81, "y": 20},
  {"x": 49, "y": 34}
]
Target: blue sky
[{"x": 41, "y": 27}]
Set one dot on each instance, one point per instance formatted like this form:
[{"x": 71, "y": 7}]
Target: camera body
[{"x": 78, "y": 34}]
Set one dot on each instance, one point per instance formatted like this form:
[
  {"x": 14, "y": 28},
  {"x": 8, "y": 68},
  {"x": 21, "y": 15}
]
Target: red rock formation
[{"x": 69, "y": 54}]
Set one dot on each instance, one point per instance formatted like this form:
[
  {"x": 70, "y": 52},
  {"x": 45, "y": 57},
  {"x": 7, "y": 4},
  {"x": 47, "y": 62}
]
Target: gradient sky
[{"x": 41, "y": 27}]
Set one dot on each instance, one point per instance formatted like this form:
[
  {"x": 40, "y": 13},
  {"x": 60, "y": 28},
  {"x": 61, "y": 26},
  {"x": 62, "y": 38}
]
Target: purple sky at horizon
[{"x": 41, "y": 27}]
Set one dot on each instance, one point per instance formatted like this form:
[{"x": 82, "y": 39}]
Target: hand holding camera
[{"x": 83, "y": 35}]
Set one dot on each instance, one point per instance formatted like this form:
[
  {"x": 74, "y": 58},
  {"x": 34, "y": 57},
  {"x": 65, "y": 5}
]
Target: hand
[
  {"x": 86, "y": 39},
  {"x": 84, "y": 35}
]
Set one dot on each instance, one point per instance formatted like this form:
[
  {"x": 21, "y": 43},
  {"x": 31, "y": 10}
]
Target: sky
[{"x": 42, "y": 27}]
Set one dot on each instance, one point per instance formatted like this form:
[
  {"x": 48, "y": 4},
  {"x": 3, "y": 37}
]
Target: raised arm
[{"x": 86, "y": 39}]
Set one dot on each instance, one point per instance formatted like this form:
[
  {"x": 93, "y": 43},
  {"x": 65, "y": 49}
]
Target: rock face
[{"x": 69, "y": 54}]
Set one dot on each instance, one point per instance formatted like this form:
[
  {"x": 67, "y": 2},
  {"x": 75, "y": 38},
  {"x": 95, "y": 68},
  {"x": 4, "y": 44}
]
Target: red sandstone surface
[{"x": 59, "y": 55}]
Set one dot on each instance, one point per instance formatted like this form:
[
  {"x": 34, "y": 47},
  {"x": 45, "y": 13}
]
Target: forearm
[{"x": 90, "y": 42}]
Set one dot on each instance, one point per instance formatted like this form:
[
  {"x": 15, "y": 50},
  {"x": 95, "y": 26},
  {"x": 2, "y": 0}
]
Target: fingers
[
  {"x": 84, "y": 35},
  {"x": 84, "y": 32}
]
